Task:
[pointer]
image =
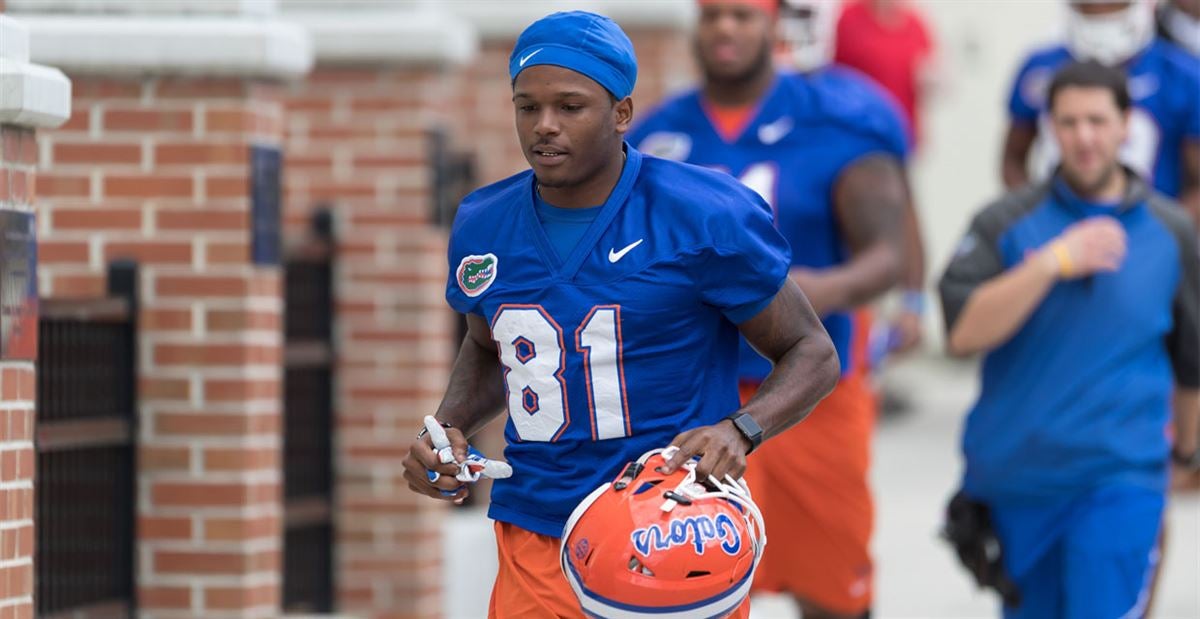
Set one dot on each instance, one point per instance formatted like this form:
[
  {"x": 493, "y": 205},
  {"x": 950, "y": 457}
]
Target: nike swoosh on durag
[{"x": 525, "y": 59}]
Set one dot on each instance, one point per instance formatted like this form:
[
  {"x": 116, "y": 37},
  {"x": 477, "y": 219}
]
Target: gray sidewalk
[{"x": 916, "y": 467}]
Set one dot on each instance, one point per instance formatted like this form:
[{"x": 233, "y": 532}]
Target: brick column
[
  {"x": 157, "y": 171},
  {"x": 17, "y": 393},
  {"x": 155, "y": 166},
  {"x": 357, "y": 140},
  {"x": 35, "y": 97}
]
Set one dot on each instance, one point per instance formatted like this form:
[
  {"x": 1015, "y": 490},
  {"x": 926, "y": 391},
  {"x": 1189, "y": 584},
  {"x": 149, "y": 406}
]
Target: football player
[
  {"x": 1179, "y": 23},
  {"x": 825, "y": 149},
  {"x": 1164, "y": 82},
  {"x": 605, "y": 292}
]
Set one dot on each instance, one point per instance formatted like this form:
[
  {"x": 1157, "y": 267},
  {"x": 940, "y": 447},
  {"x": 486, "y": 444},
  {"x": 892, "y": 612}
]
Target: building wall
[
  {"x": 34, "y": 96},
  {"x": 18, "y": 389},
  {"x": 357, "y": 140},
  {"x": 157, "y": 170}
]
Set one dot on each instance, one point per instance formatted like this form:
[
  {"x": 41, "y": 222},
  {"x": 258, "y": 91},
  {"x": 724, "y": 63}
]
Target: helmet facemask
[
  {"x": 1110, "y": 38},
  {"x": 808, "y": 29}
]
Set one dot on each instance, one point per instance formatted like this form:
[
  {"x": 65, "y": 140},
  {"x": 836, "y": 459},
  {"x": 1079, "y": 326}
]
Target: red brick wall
[
  {"x": 156, "y": 170},
  {"x": 357, "y": 139},
  {"x": 18, "y": 154}
]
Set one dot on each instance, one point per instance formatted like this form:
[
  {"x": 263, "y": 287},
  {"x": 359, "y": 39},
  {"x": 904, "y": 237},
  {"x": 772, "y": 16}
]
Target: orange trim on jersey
[
  {"x": 729, "y": 121},
  {"x": 587, "y": 365}
]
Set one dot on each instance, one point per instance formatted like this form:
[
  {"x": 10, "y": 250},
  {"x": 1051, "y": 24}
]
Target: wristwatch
[
  {"x": 748, "y": 427},
  {"x": 1188, "y": 461}
]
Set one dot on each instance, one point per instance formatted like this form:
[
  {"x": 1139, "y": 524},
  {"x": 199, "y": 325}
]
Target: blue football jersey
[
  {"x": 807, "y": 130},
  {"x": 625, "y": 342},
  {"x": 1164, "y": 84}
]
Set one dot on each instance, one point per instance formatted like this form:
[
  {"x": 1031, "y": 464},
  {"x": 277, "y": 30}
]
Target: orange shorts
[
  {"x": 530, "y": 584},
  {"x": 811, "y": 484}
]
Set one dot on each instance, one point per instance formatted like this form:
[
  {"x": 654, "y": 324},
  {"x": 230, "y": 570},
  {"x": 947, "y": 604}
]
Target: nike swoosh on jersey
[
  {"x": 525, "y": 59},
  {"x": 775, "y": 131},
  {"x": 1142, "y": 86},
  {"x": 614, "y": 255}
]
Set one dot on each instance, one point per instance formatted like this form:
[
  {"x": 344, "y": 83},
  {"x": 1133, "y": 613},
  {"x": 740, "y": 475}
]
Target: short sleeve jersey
[
  {"x": 807, "y": 131},
  {"x": 615, "y": 348}
]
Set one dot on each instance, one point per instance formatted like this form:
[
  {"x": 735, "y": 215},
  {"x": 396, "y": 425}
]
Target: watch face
[{"x": 746, "y": 424}]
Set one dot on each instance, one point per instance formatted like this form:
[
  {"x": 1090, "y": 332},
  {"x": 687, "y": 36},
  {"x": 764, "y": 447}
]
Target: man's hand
[
  {"x": 1094, "y": 245},
  {"x": 422, "y": 458},
  {"x": 721, "y": 445},
  {"x": 908, "y": 331}
]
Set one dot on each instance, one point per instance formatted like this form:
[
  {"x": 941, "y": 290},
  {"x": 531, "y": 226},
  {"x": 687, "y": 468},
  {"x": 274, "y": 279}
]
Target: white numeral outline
[
  {"x": 610, "y": 418},
  {"x": 598, "y": 339}
]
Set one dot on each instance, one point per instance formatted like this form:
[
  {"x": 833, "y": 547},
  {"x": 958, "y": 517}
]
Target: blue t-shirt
[
  {"x": 627, "y": 340},
  {"x": 1080, "y": 396},
  {"x": 808, "y": 130},
  {"x": 1164, "y": 84},
  {"x": 564, "y": 226}
]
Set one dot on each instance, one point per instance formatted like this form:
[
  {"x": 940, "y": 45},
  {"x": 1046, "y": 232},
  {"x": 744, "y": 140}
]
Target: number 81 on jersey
[{"x": 534, "y": 356}]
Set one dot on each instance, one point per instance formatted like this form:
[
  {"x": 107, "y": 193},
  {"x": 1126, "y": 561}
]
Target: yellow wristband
[{"x": 1065, "y": 268}]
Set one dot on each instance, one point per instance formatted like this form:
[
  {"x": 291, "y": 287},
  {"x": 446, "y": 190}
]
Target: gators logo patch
[{"x": 476, "y": 273}]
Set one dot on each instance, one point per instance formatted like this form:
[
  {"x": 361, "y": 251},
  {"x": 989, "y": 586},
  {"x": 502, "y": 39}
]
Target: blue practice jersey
[
  {"x": 1080, "y": 396},
  {"x": 807, "y": 131},
  {"x": 1164, "y": 84},
  {"x": 625, "y": 342}
]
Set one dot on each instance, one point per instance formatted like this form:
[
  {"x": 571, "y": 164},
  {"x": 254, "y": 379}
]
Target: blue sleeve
[
  {"x": 747, "y": 263},
  {"x": 456, "y": 295},
  {"x": 891, "y": 136},
  {"x": 869, "y": 115},
  {"x": 742, "y": 313},
  {"x": 889, "y": 127},
  {"x": 854, "y": 146},
  {"x": 1191, "y": 127},
  {"x": 1023, "y": 106}
]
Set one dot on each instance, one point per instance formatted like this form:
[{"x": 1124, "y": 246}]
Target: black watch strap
[
  {"x": 424, "y": 431},
  {"x": 1189, "y": 461},
  {"x": 748, "y": 427}
]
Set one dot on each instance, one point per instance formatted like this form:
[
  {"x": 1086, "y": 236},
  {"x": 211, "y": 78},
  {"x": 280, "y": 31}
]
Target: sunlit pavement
[{"x": 916, "y": 467}]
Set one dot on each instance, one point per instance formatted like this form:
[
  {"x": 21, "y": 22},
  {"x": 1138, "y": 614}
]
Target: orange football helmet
[{"x": 664, "y": 546}]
